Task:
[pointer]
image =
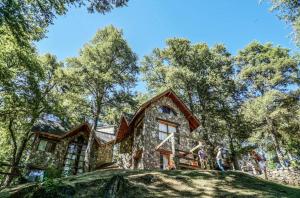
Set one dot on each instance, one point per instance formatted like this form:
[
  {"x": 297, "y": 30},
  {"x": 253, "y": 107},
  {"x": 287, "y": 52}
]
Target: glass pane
[
  {"x": 172, "y": 129},
  {"x": 162, "y": 135},
  {"x": 162, "y": 127},
  {"x": 42, "y": 145}
]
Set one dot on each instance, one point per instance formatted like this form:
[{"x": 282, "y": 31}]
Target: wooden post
[{"x": 172, "y": 156}]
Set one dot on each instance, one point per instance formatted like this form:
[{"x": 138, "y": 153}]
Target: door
[{"x": 164, "y": 161}]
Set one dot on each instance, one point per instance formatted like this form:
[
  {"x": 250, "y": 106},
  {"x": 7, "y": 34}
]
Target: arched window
[{"x": 167, "y": 110}]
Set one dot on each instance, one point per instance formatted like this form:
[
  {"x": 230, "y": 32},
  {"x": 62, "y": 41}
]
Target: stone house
[
  {"x": 160, "y": 135},
  {"x": 61, "y": 149}
]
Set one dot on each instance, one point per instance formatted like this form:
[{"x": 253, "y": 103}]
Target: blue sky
[{"x": 146, "y": 24}]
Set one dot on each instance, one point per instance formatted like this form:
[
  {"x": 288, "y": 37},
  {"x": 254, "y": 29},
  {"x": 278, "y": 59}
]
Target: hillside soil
[{"x": 141, "y": 183}]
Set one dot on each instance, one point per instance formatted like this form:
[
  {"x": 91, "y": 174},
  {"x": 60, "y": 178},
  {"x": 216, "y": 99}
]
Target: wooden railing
[{"x": 164, "y": 141}]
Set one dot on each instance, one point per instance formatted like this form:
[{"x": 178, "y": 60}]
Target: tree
[
  {"x": 28, "y": 20},
  {"x": 289, "y": 11},
  {"x": 25, "y": 93},
  {"x": 103, "y": 74},
  {"x": 203, "y": 77},
  {"x": 264, "y": 67},
  {"x": 267, "y": 72},
  {"x": 274, "y": 118},
  {"x": 25, "y": 85}
]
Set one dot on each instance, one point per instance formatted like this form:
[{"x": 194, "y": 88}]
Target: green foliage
[
  {"x": 265, "y": 67},
  {"x": 52, "y": 173},
  {"x": 102, "y": 76},
  {"x": 52, "y": 189},
  {"x": 267, "y": 73},
  {"x": 26, "y": 86},
  {"x": 289, "y": 11},
  {"x": 28, "y": 20}
]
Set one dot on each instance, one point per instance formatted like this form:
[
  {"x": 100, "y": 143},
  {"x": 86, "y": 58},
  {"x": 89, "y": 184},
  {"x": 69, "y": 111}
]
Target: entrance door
[
  {"x": 74, "y": 161},
  {"x": 164, "y": 161}
]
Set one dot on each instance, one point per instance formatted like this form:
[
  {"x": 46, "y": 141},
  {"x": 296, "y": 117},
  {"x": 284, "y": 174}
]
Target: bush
[
  {"x": 52, "y": 173},
  {"x": 53, "y": 189}
]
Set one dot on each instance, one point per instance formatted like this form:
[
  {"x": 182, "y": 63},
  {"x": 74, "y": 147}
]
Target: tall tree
[
  {"x": 274, "y": 117},
  {"x": 25, "y": 86},
  {"x": 202, "y": 76},
  {"x": 103, "y": 74},
  {"x": 268, "y": 73}
]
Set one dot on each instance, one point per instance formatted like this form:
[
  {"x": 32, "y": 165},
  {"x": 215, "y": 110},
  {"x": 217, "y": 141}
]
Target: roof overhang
[{"x": 84, "y": 127}]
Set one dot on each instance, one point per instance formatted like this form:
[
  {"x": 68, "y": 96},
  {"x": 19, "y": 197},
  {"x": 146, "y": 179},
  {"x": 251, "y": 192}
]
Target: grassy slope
[{"x": 161, "y": 184}]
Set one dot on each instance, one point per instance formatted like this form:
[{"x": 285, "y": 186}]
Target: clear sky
[{"x": 146, "y": 24}]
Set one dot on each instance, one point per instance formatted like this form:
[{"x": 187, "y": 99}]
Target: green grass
[{"x": 141, "y": 183}]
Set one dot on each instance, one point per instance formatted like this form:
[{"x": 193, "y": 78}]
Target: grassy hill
[{"x": 121, "y": 183}]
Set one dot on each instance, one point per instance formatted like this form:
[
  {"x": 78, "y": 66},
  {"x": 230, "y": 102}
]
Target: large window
[
  {"x": 167, "y": 110},
  {"x": 165, "y": 129},
  {"x": 74, "y": 162},
  {"x": 45, "y": 145}
]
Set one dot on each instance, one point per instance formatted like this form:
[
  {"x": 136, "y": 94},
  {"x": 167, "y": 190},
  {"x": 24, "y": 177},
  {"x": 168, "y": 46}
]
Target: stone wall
[
  {"x": 44, "y": 160},
  {"x": 105, "y": 154},
  {"x": 122, "y": 154},
  {"x": 138, "y": 145},
  {"x": 290, "y": 177},
  {"x": 151, "y": 157}
]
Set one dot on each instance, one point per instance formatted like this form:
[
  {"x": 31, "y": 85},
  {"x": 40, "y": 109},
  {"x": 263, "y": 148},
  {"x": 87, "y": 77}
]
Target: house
[
  {"x": 160, "y": 135},
  {"x": 63, "y": 150}
]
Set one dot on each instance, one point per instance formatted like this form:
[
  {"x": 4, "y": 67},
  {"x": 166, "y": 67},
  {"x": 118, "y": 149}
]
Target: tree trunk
[
  {"x": 234, "y": 156},
  {"x": 87, "y": 157},
  {"x": 191, "y": 104},
  {"x": 276, "y": 142},
  {"x": 278, "y": 150},
  {"x": 14, "y": 170}
]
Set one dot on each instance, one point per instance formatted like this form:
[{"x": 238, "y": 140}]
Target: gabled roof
[
  {"x": 84, "y": 127},
  {"x": 49, "y": 126},
  {"x": 126, "y": 125}
]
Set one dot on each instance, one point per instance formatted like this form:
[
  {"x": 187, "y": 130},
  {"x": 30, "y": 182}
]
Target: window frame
[
  {"x": 168, "y": 125},
  {"x": 167, "y": 110},
  {"x": 49, "y": 147}
]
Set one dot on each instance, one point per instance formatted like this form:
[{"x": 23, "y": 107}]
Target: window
[
  {"x": 74, "y": 161},
  {"x": 165, "y": 129},
  {"x": 167, "y": 110},
  {"x": 45, "y": 145}
]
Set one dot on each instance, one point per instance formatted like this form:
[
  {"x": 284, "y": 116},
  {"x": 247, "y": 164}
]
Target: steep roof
[
  {"x": 126, "y": 125},
  {"x": 105, "y": 133},
  {"x": 48, "y": 126}
]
